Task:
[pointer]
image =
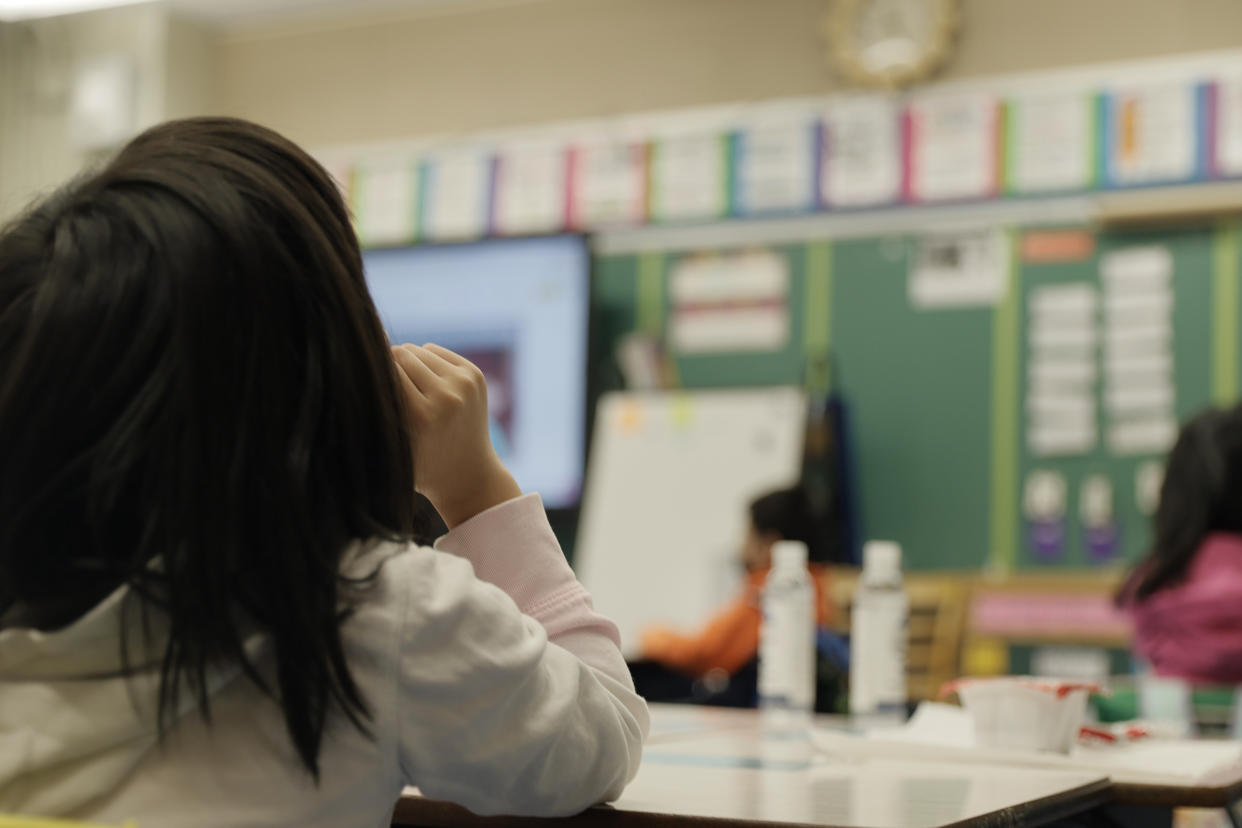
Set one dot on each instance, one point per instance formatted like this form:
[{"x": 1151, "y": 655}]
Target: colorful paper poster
[
  {"x": 1050, "y": 141},
  {"x": 1151, "y": 134},
  {"x": 861, "y": 154},
  {"x": 689, "y": 177},
  {"x": 386, "y": 202},
  {"x": 953, "y": 148},
  {"x": 1228, "y": 111},
  {"x": 956, "y": 270},
  {"x": 774, "y": 168},
  {"x": 733, "y": 303},
  {"x": 608, "y": 184},
  {"x": 456, "y": 195},
  {"x": 530, "y": 190}
]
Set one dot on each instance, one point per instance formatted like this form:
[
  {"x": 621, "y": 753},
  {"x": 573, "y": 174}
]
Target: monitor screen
[{"x": 517, "y": 308}]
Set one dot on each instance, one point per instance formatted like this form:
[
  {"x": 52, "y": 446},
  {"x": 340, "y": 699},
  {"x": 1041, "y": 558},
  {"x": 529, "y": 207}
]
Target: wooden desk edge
[
  {"x": 1176, "y": 796},
  {"x": 1061, "y": 806},
  {"x": 427, "y": 813}
]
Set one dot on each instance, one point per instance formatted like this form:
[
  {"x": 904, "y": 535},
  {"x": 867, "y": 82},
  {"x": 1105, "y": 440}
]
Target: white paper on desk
[
  {"x": 688, "y": 175},
  {"x": 939, "y": 736},
  {"x": 1229, "y": 125},
  {"x": 861, "y": 163}
]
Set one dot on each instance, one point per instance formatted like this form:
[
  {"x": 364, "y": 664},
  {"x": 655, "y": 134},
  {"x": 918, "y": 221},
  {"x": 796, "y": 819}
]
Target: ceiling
[
  {"x": 232, "y": 12},
  {"x": 236, "y": 11}
]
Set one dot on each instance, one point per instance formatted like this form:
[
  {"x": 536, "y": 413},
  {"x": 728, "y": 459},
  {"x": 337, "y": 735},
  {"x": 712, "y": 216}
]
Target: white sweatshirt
[{"x": 491, "y": 682}]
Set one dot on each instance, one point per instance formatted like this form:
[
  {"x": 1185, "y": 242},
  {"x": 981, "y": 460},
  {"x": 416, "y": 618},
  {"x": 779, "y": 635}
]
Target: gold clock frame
[{"x": 843, "y": 50}]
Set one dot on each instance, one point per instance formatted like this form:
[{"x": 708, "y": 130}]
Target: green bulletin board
[{"x": 938, "y": 395}]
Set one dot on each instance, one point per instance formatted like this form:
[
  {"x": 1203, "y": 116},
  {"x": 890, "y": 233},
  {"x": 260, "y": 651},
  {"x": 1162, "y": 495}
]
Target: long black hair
[
  {"x": 1201, "y": 494},
  {"x": 197, "y": 400}
]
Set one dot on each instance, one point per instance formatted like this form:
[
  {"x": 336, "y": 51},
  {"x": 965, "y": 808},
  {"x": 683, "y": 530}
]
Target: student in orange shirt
[{"x": 685, "y": 665}]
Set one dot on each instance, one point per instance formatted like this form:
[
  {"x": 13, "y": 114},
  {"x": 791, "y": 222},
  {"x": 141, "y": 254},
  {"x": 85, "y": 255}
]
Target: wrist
[{"x": 490, "y": 489}]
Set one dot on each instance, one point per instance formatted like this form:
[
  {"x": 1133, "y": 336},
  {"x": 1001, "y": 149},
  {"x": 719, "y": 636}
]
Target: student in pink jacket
[{"x": 1186, "y": 596}]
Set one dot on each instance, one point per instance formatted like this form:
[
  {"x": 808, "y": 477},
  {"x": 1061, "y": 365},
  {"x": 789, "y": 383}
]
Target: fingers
[
  {"x": 414, "y": 369},
  {"x": 440, "y": 366},
  {"x": 459, "y": 363},
  {"x": 448, "y": 356}
]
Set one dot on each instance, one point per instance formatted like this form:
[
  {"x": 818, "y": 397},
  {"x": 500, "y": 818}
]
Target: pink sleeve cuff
[{"x": 512, "y": 546}]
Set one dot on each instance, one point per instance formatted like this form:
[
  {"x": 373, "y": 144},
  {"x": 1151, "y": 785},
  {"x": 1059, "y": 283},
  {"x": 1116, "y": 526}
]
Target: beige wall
[
  {"x": 476, "y": 66},
  {"x": 172, "y": 63}
]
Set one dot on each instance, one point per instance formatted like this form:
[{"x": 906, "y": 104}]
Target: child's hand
[{"x": 455, "y": 466}]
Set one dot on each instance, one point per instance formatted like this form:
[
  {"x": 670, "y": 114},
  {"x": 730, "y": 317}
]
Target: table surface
[
  {"x": 736, "y": 732},
  {"x": 704, "y": 765}
]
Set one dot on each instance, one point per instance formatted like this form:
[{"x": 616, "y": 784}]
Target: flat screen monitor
[{"x": 517, "y": 308}]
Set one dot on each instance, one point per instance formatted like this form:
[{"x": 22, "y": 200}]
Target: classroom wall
[
  {"x": 37, "y": 61},
  {"x": 173, "y": 62},
  {"x": 477, "y": 65}
]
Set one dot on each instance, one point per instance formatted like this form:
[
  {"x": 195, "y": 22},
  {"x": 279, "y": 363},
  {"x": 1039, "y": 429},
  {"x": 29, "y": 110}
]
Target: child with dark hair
[
  {"x": 215, "y": 608},
  {"x": 729, "y": 641},
  {"x": 1186, "y": 595}
]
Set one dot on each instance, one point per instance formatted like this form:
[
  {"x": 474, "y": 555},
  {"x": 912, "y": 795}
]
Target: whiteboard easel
[{"x": 664, "y": 513}]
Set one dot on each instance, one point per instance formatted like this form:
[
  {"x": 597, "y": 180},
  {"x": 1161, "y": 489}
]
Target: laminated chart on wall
[
  {"x": 1050, "y": 142},
  {"x": 608, "y": 184},
  {"x": 1062, "y": 377},
  {"x": 1151, "y": 134},
  {"x": 456, "y": 195},
  {"x": 774, "y": 168},
  {"x": 1227, "y": 160},
  {"x": 530, "y": 189},
  {"x": 959, "y": 270},
  {"x": 1139, "y": 393},
  {"x": 689, "y": 177},
  {"x": 952, "y": 148},
  {"x": 730, "y": 303},
  {"x": 861, "y": 154},
  {"x": 385, "y": 202}
]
